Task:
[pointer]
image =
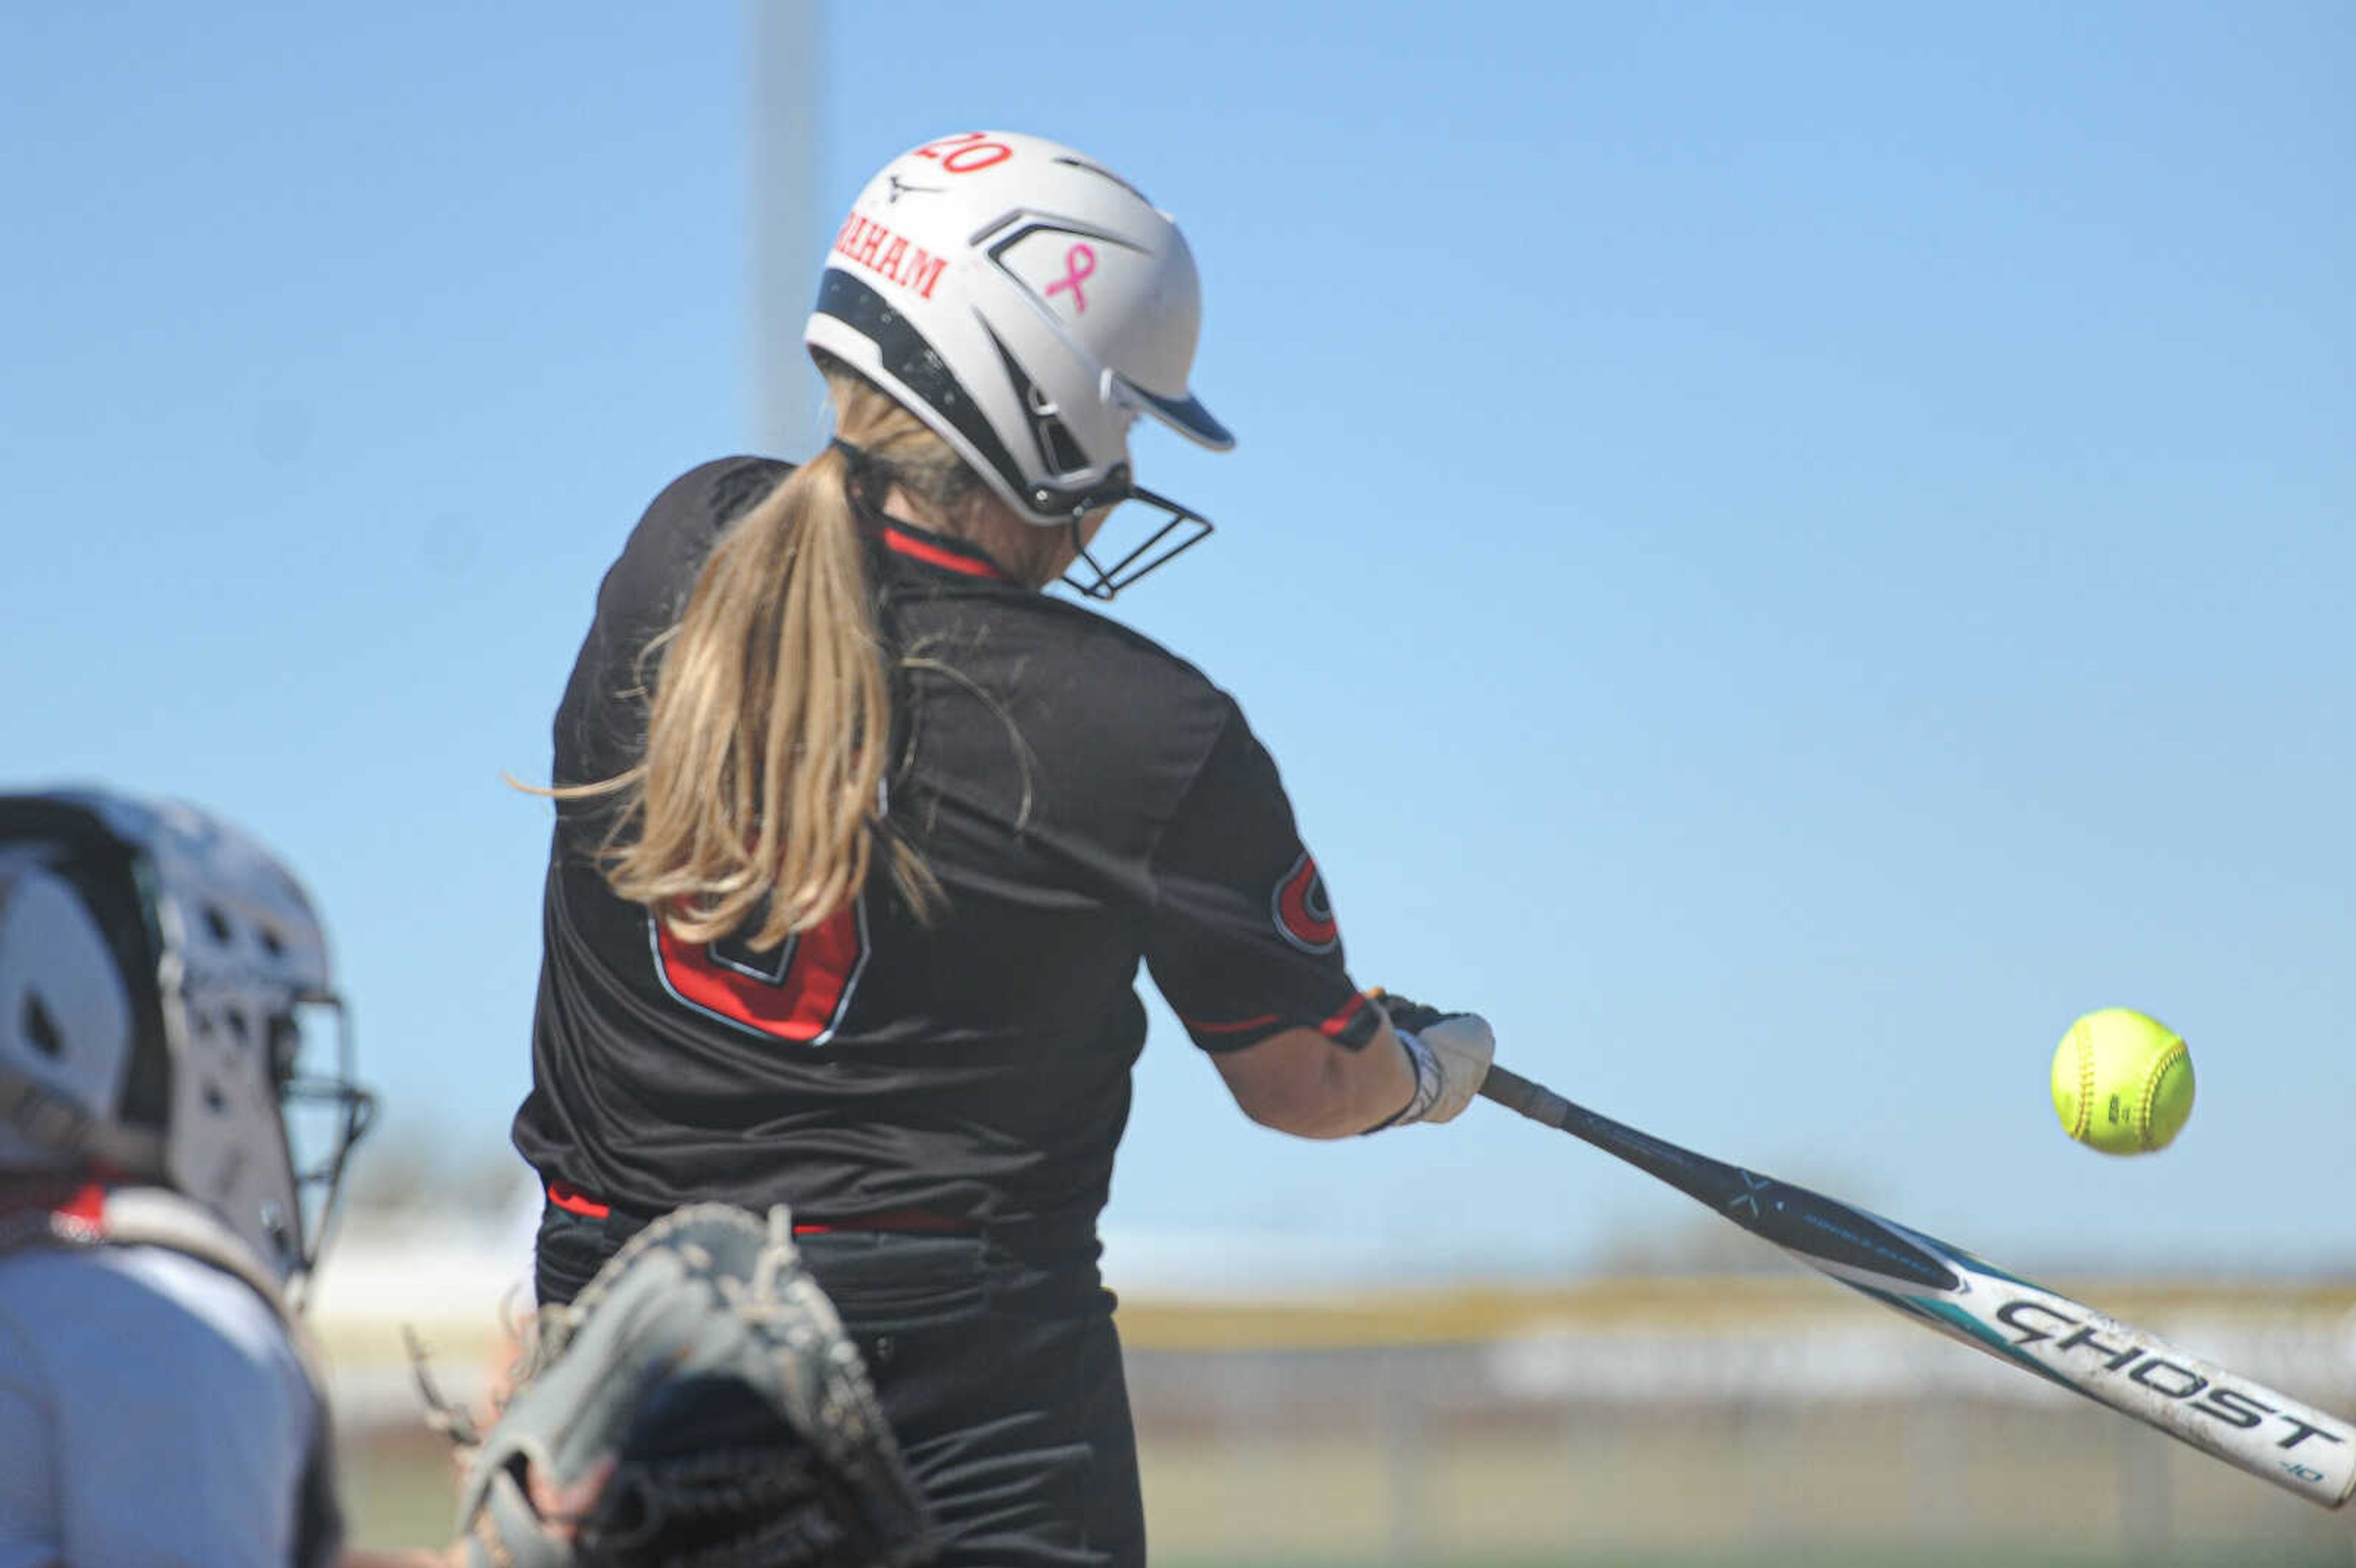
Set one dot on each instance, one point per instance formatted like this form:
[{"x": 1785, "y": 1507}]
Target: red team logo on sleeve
[
  {"x": 797, "y": 992},
  {"x": 1304, "y": 917}
]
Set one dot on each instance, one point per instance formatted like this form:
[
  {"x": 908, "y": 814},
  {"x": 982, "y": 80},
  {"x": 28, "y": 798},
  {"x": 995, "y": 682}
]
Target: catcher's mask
[
  {"x": 1029, "y": 304},
  {"x": 164, "y": 999}
]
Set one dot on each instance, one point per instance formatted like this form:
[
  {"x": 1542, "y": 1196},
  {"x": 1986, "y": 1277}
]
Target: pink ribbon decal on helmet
[{"x": 1079, "y": 266}]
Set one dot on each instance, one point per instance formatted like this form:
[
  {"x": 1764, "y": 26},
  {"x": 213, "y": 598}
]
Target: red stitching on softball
[
  {"x": 2085, "y": 1084},
  {"x": 2175, "y": 1054}
]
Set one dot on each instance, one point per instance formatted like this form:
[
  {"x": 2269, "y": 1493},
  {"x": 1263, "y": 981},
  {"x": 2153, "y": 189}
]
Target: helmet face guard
[
  {"x": 326, "y": 1113},
  {"x": 1181, "y": 529},
  {"x": 212, "y": 955},
  {"x": 1030, "y": 306}
]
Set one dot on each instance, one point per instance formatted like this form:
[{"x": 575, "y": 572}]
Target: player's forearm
[{"x": 1302, "y": 1083}]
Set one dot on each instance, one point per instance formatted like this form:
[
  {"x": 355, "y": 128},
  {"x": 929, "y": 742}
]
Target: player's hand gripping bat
[{"x": 2245, "y": 1423}]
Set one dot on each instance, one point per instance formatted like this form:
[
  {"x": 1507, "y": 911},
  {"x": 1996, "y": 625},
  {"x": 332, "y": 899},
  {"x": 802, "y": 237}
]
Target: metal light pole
[{"x": 784, "y": 47}]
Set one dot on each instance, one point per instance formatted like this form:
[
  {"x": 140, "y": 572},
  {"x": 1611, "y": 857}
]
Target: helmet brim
[{"x": 1188, "y": 417}]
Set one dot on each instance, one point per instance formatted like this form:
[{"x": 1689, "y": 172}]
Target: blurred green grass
[
  {"x": 399, "y": 1491},
  {"x": 1990, "y": 1555}
]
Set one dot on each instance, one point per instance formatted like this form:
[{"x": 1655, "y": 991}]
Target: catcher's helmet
[
  {"x": 1028, "y": 305},
  {"x": 155, "y": 965}
]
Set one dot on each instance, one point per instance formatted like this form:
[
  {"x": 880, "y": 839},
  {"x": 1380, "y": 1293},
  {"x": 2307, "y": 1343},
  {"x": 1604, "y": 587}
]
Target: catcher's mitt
[{"x": 707, "y": 1370}]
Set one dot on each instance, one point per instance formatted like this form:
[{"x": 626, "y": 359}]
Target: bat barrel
[{"x": 2245, "y": 1423}]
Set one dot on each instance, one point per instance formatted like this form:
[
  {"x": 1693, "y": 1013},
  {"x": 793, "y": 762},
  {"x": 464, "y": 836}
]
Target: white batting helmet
[
  {"x": 154, "y": 966},
  {"x": 1028, "y": 305}
]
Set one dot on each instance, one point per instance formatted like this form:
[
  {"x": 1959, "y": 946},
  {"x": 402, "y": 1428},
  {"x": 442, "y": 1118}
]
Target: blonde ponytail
[{"x": 755, "y": 808}]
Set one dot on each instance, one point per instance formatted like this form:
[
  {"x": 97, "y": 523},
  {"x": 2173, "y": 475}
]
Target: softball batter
[{"x": 861, "y": 839}]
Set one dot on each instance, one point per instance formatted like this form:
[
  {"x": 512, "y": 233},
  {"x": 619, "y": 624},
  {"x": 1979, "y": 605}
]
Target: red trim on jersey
[
  {"x": 1342, "y": 1020},
  {"x": 923, "y": 1222},
  {"x": 1336, "y": 1025},
  {"x": 572, "y": 1200},
  {"x": 949, "y": 555},
  {"x": 1239, "y": 1026}
]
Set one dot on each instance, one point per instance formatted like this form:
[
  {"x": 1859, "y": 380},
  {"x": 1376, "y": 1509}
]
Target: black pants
[{"x": 1001, "y": 1375}]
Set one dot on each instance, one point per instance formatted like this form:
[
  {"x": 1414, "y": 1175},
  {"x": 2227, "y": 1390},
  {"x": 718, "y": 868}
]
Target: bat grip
[{"x": 1515, "y": 1093}]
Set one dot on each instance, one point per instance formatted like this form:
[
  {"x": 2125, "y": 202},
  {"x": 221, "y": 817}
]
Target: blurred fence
[
  {"x": 1700, "y": 1416},
  {"x": 1696, "y": 1416}
]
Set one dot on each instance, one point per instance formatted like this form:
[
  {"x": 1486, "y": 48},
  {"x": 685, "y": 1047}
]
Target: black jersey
[{"x": 1085, "y": 800}]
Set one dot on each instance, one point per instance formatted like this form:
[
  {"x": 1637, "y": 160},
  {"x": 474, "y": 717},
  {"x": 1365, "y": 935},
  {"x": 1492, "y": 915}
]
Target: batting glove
[{"x": 1451, "y": 1052}]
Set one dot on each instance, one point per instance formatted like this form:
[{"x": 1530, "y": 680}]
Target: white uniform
[
  {"x": 153, "y": 1410},
  {"x": 156, "y": 1403}
]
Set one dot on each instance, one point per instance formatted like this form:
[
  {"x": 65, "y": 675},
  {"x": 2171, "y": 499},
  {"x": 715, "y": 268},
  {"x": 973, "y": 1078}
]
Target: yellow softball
[{"x": 2122, "y": 1081}]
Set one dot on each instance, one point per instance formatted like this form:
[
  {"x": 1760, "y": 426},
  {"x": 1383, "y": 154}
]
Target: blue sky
[{"x": 1783, "y": 557}]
